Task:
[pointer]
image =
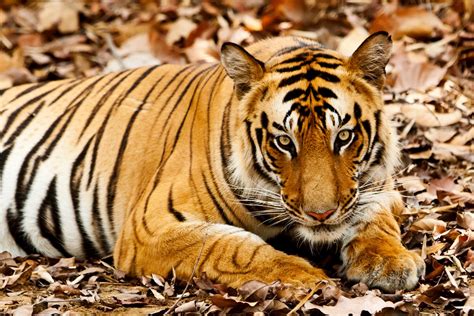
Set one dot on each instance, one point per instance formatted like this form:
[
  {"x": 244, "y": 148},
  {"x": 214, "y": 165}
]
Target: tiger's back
[{"x": 75, "y": 154}]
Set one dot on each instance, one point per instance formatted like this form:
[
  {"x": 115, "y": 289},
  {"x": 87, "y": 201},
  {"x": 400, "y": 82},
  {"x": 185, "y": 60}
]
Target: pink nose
[{"x": 321, "y": 216}]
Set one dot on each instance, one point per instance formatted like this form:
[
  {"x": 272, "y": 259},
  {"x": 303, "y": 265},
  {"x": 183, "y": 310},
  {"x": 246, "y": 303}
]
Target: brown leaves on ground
[{"x": 429, "y": 94}]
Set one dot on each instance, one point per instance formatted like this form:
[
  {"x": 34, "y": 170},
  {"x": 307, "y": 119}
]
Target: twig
[
  {"x": 303, "y": 301},
  {"x": 196, "y": 263}
]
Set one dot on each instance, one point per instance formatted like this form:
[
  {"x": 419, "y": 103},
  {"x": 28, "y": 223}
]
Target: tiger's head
[{"x": 313, "y": 136}]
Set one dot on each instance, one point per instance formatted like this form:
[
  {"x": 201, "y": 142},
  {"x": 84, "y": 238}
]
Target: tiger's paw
[
  {"x": 289, "y": 270},
  {"x": 399, "y": 270},
  {"x": 299, "y": 272}
]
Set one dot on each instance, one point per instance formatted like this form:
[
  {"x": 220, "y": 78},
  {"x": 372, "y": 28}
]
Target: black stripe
[
  {"x": 112, "y": 185},
  {"x": 50, "y": 204},
  {"x": 177, "y": 86},
  {"x": 181, "y": 96},
  {"x": 105, "y": 96},
  {"x": 278, "y": 126},
  {"x": 290, "y": 69},
  {"x": 311, "y": 74},
  {"x": 236, "y": 221},
  {"x": 14, "y": 114},
  {"x": 58, "y": 136},
  {"x": 291, "y": 49},
  {"x": 368, "y": 130},
  {"x": 264, "y": 93},
  {"x": 379, "y": 155},
  {"x": 215, "y": 202},
  {"x": 301, "y": 57},
  {"x": 24, "y": 184},
  {"x": 163, "y": 76},
  {"x": 357, "y": 111},
  {"x": 264, "y": 120},
  {"x": 302, "y": 110},
  {"x": 325, "y": 56},
  {"x": 332, "y": 109},
  {"x": 259, "y": 134},
  {"x": 326, "y": 93},
  {"x": 3, "y": 159},
  {"x": 98, "y": 222},
  {"x": 320, "y": 113},
  {"x": 293, "y": 94},
  {"x": 183, "y": 120},
  {"x": 371, "y": 145},
  {"x": 328, "y": 65},
  {"x": 24, "y": 124},
  {"x": 359, "y": 149},
  {"x": 77, "y": 171},
  {"x": 16, "y": 231},
  {"x": 346, "y": 119},
  {"x": 256, "y": 165},
  {"x": 65, "y": 91},
  {"x": 100, "y": 132},
  {"x": 291, "y": 80},
  {"x": 32, "y": 88},
  {"x": 162, "y": 163},
  {"x": 180, "y": 217}
]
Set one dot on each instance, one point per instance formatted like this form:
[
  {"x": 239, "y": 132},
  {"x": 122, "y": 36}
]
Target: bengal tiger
[{"x": 194, "y": 167}]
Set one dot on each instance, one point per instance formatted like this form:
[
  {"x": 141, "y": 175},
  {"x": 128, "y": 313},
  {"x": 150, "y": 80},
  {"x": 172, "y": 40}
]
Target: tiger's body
[{"x": 168, "y": 164}]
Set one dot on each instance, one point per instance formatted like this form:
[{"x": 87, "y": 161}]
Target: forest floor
[{"x": 429, "y": 94}]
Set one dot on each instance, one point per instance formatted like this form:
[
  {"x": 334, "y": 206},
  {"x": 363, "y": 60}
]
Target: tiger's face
[{"x": 316, "y": 131}]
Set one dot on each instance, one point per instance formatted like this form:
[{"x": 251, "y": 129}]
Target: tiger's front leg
[
  {"x": 376, "y": 256},
  {"x": 226, "y": 253}
]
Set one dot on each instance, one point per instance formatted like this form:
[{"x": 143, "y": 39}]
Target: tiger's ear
[
  {"x": 242, "y": 67},
  {"x": 371, "y": 57}
]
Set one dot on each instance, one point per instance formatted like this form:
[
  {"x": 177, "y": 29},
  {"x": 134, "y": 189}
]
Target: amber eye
[
  {"x": 283, "y": 140},
  {"x": 344, "y": 137},
  {"x": 285, "y": 143}
]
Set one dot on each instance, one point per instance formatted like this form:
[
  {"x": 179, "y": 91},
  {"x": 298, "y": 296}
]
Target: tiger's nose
[{"x": 321, "y": 216}]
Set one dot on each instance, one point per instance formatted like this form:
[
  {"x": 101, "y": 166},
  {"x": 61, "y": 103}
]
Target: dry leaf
[
  {"x": 465, "y": 220},
  {"x": 180, "y": 29},
  {"x": 355, "y": 306},
  {"x": 415, "y": 21},
  {"x": 424, "y": 115},
  {"x": 429, "y": 225},
  {"x": 63, "y": 13},
  {"x": 351, "y": 41}
]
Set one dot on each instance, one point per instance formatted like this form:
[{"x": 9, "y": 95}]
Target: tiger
[{"x": 193, "y": 168}]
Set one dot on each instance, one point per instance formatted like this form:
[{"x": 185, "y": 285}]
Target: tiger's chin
[
  {"x": 323, "y": 233},
  {"x": 328, "y": 232}
]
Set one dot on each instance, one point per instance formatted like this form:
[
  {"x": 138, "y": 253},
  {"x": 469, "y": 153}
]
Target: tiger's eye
[
  {"x": 344, "y": 135},
  {"x": 284, "y": 140}
]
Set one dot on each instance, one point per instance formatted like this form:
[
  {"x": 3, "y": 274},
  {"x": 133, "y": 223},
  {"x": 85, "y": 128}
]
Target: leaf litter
[{"x": 429, "y": 95}]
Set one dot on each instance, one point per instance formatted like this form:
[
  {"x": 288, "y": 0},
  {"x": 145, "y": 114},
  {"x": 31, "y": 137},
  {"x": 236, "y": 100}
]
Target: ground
[{"x": 429, "y": 94}]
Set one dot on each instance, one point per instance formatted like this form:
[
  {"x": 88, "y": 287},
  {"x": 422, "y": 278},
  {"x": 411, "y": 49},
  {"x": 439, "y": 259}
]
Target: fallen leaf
[
  {"x": 355, "y": 306},
  {"x": 254, "y": 291},
  {"x": 413, "y": 21},
  {"x": 465, "y": 220},
  {"x": 424, "y": 115},
  {"x": 429, "y": 225},
  {"x": 69, "y": 263},
  {"x": 351, "y": 41},
  {"x": 128, "y": 299},
  {"x": 180, "y": 29},
  {"x": 63, "y": 13}
]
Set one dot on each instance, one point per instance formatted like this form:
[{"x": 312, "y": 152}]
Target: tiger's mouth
[{"x": 346, "y": 213}]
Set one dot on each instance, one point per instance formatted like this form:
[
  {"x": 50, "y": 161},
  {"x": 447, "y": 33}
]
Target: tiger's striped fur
[{"x": 161, "y": 164}]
